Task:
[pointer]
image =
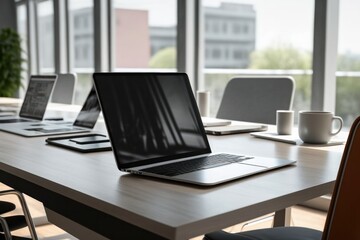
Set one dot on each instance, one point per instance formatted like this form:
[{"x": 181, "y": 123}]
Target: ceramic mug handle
[{"x": 336, "y": 118}]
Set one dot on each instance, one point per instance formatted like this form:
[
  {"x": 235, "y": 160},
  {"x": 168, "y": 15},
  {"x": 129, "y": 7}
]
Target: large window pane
[
  {"x": 45, "y": 20},
  {"x": 22, "y": 30},
  {"x": 145, "y": 34},
  {"x": 258, "y": 37},
  {"x": 81, "y": 24},
  {"x": 348, "y": 76}
]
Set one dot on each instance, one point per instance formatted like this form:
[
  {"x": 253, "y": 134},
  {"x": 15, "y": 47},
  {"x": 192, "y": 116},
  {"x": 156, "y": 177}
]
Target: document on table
[{"x": 294, "y": 138}]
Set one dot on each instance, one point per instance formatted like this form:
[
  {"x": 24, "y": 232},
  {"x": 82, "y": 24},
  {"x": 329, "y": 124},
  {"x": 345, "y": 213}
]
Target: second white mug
[
  {"x": 284, "y": 122},
  {"x": 203, "y": 101}
]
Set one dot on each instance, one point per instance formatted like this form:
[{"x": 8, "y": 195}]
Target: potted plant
[{"x": 10, "y": 62}]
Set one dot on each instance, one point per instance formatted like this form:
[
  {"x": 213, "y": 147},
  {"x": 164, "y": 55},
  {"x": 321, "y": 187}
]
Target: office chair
[
  {"x": 64, "y": 89},
  {"x": 342, "y": 221},
  {"x": 256, "y": 99},
  {"x": 15, "y": 222}
]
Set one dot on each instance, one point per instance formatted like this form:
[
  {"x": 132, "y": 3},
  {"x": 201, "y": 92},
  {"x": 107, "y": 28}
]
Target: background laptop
[
  {"x": 84, "y": 122},
  {"x": 156, "y": 130},
  {"x": 36, "y": 99}
]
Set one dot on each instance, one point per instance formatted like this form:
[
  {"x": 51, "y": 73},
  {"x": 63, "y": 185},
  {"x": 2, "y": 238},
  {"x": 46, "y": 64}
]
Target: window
[
  {"x": 207, "y": 27},
  {"x": 215, "y": 27},
  {"x": 260, "y": 43},
  {"x": 348, "y": 75},
  {"x": 226, "y": 53},
  {"x": 245, "y": 29},
  {"x": 216, "y": 53},
  {"x": 238, "y": 54},
  {"x": 45, "y": 26},
  {"x": 81, "y": 34},
  {"x": 77, "y": 22},
  {"x": 237, "y": 28},
  {"x": 22, "y": 29},
  {"x": 87, "y": 20},
  {"x": 247, "y": 37},
  {"x": 142, "y": 26},
  {"x": 224, "y": 28}
]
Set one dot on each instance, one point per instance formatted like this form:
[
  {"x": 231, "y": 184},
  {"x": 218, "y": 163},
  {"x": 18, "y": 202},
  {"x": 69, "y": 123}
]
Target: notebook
[
  {"x": 236, "y": 128},
  {"x": 36, "y": 99},
  {"x": 295, "y": 139},
  {"x": 84, "y": 122},
  {"x": 155, "y": 129},
  {"x": 213, "y": 122}
]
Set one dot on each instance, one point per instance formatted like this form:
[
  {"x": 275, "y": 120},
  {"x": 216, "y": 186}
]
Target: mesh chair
[
  {"x": 15, "y": 222},
  {"x": 342, "y": 221},
  {"x": 256, "y": 99},
  {"x": 64, "y": 88}
]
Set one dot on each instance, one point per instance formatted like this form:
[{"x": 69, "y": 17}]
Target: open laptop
[
  {"x": 36, "y": 99},
  {"x": 84, "y": 122},
  {"x": 155, "y": 129}
]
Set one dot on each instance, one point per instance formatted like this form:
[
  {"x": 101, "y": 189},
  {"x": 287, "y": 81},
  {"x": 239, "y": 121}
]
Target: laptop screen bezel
[
  {"x": 49, "y": 78},
  {"x": 101, "y": 77},
  {"x": 79, "y": 123}
]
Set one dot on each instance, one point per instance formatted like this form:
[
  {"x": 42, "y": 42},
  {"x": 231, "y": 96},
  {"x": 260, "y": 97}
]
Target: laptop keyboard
[{"x": 188, "y": 166}]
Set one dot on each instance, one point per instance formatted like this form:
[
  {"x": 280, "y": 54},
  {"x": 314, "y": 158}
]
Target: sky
[{"x": 278, "y": 21}]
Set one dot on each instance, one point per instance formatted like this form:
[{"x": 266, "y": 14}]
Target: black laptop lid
[
  {"x": 37, "y": 96},
  {"x": 90, "y": 111},
  {"x": 150, "y": 117}
]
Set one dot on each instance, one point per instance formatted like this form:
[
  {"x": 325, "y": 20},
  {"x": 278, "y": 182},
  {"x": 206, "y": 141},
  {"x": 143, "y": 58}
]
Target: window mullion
[
  {"x": 188, "y": 38},
  {"x": 101, "y": 41},
  {"x": 325, "y": 54},
  {"x": 60, "y": 37}
]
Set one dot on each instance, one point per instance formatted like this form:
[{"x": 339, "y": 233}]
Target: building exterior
[
  {"x": 83, "y": 32},
  {"x": 229, "y": 37},
  {"x": 132, "y": 41}
]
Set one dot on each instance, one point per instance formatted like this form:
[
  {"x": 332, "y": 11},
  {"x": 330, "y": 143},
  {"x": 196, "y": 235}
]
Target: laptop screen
[
  {"x": 37, "y": 96},
  {"x": 89, "y": 112},
  {"x": 150, "y": 117}
]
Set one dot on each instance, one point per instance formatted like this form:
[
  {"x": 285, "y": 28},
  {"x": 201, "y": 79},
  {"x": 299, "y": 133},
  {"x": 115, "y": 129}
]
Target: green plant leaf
[{"x": 10, "y": 62}]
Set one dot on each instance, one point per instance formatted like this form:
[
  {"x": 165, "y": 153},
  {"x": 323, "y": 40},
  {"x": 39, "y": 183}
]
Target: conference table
[{"x": 87, "y": 196}]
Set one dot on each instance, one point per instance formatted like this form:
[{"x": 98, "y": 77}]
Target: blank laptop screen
[
  {"x": 37, "y": 97},
  {"x": 150, "y": 117},
  {"x": 89, "y": 112}
]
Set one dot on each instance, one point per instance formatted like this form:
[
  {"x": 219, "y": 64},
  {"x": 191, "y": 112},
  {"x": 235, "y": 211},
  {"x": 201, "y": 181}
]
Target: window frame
[{"x": 190, "y": 44}]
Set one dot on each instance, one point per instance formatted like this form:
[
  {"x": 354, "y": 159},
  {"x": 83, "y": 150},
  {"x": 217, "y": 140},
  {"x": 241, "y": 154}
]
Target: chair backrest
[
  {"x": 64, "y": 89},
  {"x": 343, "y": 220},
  {"x": 256, "y": 99}
]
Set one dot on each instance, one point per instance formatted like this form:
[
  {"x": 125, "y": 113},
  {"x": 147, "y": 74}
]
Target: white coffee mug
[
  {"x": 284, "y": 122},
  {"x": 317, "y": 126},
  {"x": 203, "y": 101}
]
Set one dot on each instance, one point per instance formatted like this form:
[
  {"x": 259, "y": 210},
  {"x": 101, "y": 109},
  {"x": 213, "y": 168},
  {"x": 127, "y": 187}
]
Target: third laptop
[
  {"x": 156, "y": 130},
  {"x": 35, "y": 101},
  {"x": 84, "y": 122}
]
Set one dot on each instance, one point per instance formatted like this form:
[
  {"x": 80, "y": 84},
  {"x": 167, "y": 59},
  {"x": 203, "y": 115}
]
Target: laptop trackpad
[
  {"x": 222, "y": 174},
  {"x": 266, "y": 162}
]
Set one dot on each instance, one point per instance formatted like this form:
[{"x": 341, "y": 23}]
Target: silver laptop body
[
  {"x": 153, "y": 120},
  {"x": 37, "y": 96},
  {"x": 84, "y": 122}
]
